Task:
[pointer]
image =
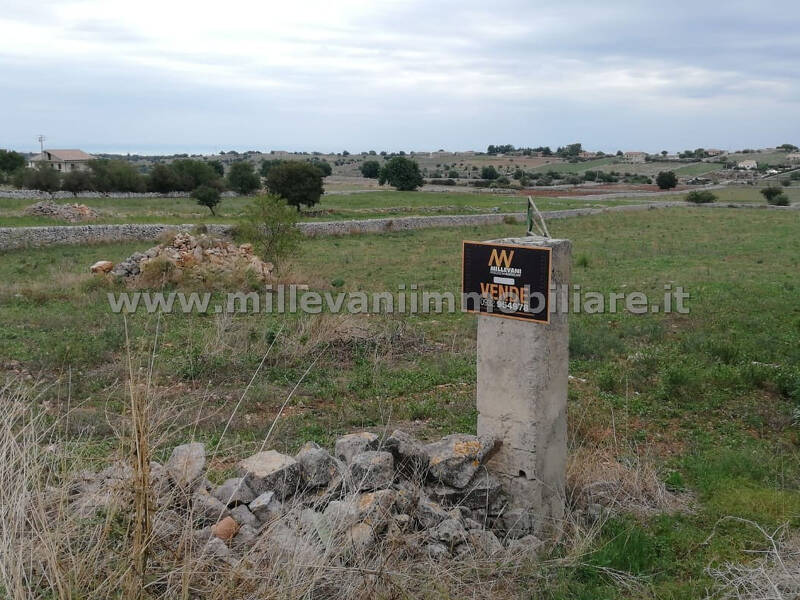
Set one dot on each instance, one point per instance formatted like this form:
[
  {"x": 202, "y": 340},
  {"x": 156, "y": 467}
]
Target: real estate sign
[{"x": 506, "y": 280}]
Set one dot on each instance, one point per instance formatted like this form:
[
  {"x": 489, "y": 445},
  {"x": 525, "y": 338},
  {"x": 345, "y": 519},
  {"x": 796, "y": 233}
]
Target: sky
[{"x": 163, "y": 76}]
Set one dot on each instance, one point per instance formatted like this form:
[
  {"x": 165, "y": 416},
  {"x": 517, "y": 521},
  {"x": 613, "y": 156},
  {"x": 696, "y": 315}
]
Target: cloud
[{"x": 415, "y": 74}]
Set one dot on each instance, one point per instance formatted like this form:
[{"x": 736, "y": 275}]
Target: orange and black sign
[{"x": 506, "y": 280}]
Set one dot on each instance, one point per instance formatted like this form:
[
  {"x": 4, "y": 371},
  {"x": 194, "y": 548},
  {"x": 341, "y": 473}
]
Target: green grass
[
  {"x": 176, "y": 211},
  {"x": 710, "y": 396}
]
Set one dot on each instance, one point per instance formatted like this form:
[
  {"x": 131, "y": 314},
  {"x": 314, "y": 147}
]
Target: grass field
[
  {"x": 335, "y": 206},
  {"x": 710, "y": 399}
]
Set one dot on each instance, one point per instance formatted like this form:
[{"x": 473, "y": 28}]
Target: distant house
[
  {"x": 748, "y": 164},
  {"x": 634, "y": 157},
  {"x": 793, "y": 157},
  {"x": 715, "y": 152},
  {"x": 63, "y": 160},
  {"x": 586, "y": 154}
]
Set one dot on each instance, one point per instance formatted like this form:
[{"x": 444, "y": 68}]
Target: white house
[
  {"x": 748, "y": 164},
  {"x": 793, "y": 157},
  {"x": 634, "y": 157},
  {"x": 63, "y": 160}
]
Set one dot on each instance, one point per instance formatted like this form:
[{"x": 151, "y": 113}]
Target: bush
[
  {"x": 243, "y": 179},
  {"x": 443, "y": 181},
  {"x": 401, "y": 173},
  {"x": 269, "y": 224},
  {"x": 786, "y": 182},
  {"x": 775, "y": 196},
  {"x": 43, "y": 178},
  {"x": 297, "y": 182},
  {"x": 207, "y": 196},
  {"x": 489, "y": 172},
  {"x": 666, "y": 180},
  {"x": 77, "y": 181},
  {"x": 11, "y": 161},
  {"x": 323, "y": 165},
  {"x": 453, "y": 174},
  {"x": 267, "y": 165},
  {"x": 370, "y": 169},
  {"x": 116, "y": 176},
  {"x": 701, "y": 197}
]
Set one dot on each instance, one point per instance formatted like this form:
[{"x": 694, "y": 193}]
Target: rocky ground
[
  {"x": 185, "y": 252},
  {"x": 432, "y": 500},
  {"x": 73, "y": 213}
]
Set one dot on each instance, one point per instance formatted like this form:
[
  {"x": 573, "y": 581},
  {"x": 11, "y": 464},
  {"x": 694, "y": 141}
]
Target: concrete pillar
[{"x": 522, "y": 398}]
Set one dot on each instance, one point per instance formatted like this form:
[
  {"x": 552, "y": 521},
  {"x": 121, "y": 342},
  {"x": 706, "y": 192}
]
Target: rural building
[
  {"x": 748, "y": 164},
  {"x": 634, "y": 157},
  {"x": 793, "y": 157},
  {"x": 715, "y": 152},
  {"x": 584, "y": 154},
  {"x": 63, "y": 160}
]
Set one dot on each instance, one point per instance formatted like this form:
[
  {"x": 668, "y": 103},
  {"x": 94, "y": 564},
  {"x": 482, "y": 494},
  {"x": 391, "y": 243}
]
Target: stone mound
[
  {"x": 68, "y": 212},
  {"x": 432, "y": 501},
  {"x": 188, "y": 252}
]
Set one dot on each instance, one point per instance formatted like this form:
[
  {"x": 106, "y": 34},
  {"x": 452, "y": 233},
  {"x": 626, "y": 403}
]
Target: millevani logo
[{"x": 506, "y": 280}]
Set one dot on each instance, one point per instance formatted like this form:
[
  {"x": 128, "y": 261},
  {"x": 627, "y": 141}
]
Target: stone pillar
[{"x": 522, "y": 398}]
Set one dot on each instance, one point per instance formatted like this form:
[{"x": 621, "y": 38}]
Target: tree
[
  {"x": 218, "y": 167},
  {"x": 266, "y": 165},
  {"x": 242, "y": 178},
  {"x": 401, "y": 173},
  {"x": 788, "y": 147},
  {"x": 666, "y": 180},
  {"x": 489, "y": 172},
  {"x": 453, "y": 174},
  {"x": 162, "y": 179},
  {"x": 775, "y": 196},
  {"x": 269, "y": 224},
  {"x": 370, "y": 169},
  {"x": 43, "y": 178},
  {"x": 208, "y": 196},
  {"x": 116, "y": 176},
  {"x": 323, "y": 166},
  {"x": 10, "y": 161},
  {"x": 297, "y": 182},
  {"x": 77, "y": 181}
]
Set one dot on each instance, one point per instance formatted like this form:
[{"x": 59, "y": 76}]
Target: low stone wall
[{"x": 23, "y": 237}]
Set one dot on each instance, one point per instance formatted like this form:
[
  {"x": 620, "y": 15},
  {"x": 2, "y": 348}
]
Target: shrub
[
  {"x": 11, "y": 161},
  {"x": 401, "y": 173},
  {"x": 323, "y": 166},
  {"x": 207, "y": 196},
  {"x": 775, "y": 196},
  {"x": 666, "y": 180},
  {"x": 370, "y": 169},
  {"x": 43, "y": 178},
  {"x": 786, "y": 182},
  {"x": 453, "y": 174},
  {"x": 489, "y": 172},
  {"x": 116, "y": 176},
  {"x": 269, "y": 224},
  {"x": 243, "y": 179},
  {"x": 701, "y": 197},
  {"x": 297, "y": 182}
]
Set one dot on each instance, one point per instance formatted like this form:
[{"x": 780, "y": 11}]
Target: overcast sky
[{"x": 180, "y": 76}]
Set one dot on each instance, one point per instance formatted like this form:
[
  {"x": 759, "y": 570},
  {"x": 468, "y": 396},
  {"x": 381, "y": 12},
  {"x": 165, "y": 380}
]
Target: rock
[
  {"x": 400, "y": 524},
  {"x": 207, "y": 509},
  {"x": 485, "y": 542},
  {"x": 317, "y": 466},
  {"x": 102, "y": 266},
  {"x": 341, "y": 514},
  {"x": 68, "y": 212},
  {"x": 131, "y": 266},
  {"x": 242, "y": 515},
  {"x": 167, "y": 526},
  {"x": 429, "y": 514},
  {"x": 186, "y": 465},
  {"x": 481, "y": 492},
  {"x": 216, "y": 547},
  {"x": 225, "y": 529},
  {"x": 355, "y": 443},
  {"x": 360, "y": 537},
  {"x": 234, "y": 491},
  {"x": 271, "y": 471},
  {"x": 375, "y": 508},
  {"x": 450, "y": 532},
  {"x": 594, "y": 512},
  {"x": 407, "y": 451},
  {"x": 245, "y": 538},
  {"x": 285, "y": 542},
  {"x": 436, "y": 550},
  {"x": 455, "y": 459},
  {"x": 372, "y": 469},
  {"x": 266, "y": 507},
  {"x": 527, "y": 545},
  {"x": 516, "y": 522}
]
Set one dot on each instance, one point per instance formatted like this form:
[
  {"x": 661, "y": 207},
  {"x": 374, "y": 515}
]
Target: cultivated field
[{"x": 688, "y": 419}]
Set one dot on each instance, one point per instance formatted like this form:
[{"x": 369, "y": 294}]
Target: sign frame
[{"x": 501, "y": 314}]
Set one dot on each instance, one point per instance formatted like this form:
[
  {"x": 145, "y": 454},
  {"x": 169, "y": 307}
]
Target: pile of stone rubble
[
  {"x": 73, "y": 213},
  {"x": 432, "y": 500},
  {"x": 186, "y": 251}
]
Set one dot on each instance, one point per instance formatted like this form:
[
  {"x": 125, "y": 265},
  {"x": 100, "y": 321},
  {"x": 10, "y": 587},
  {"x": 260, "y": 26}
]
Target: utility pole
[{"x": 41, "y": 139}]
